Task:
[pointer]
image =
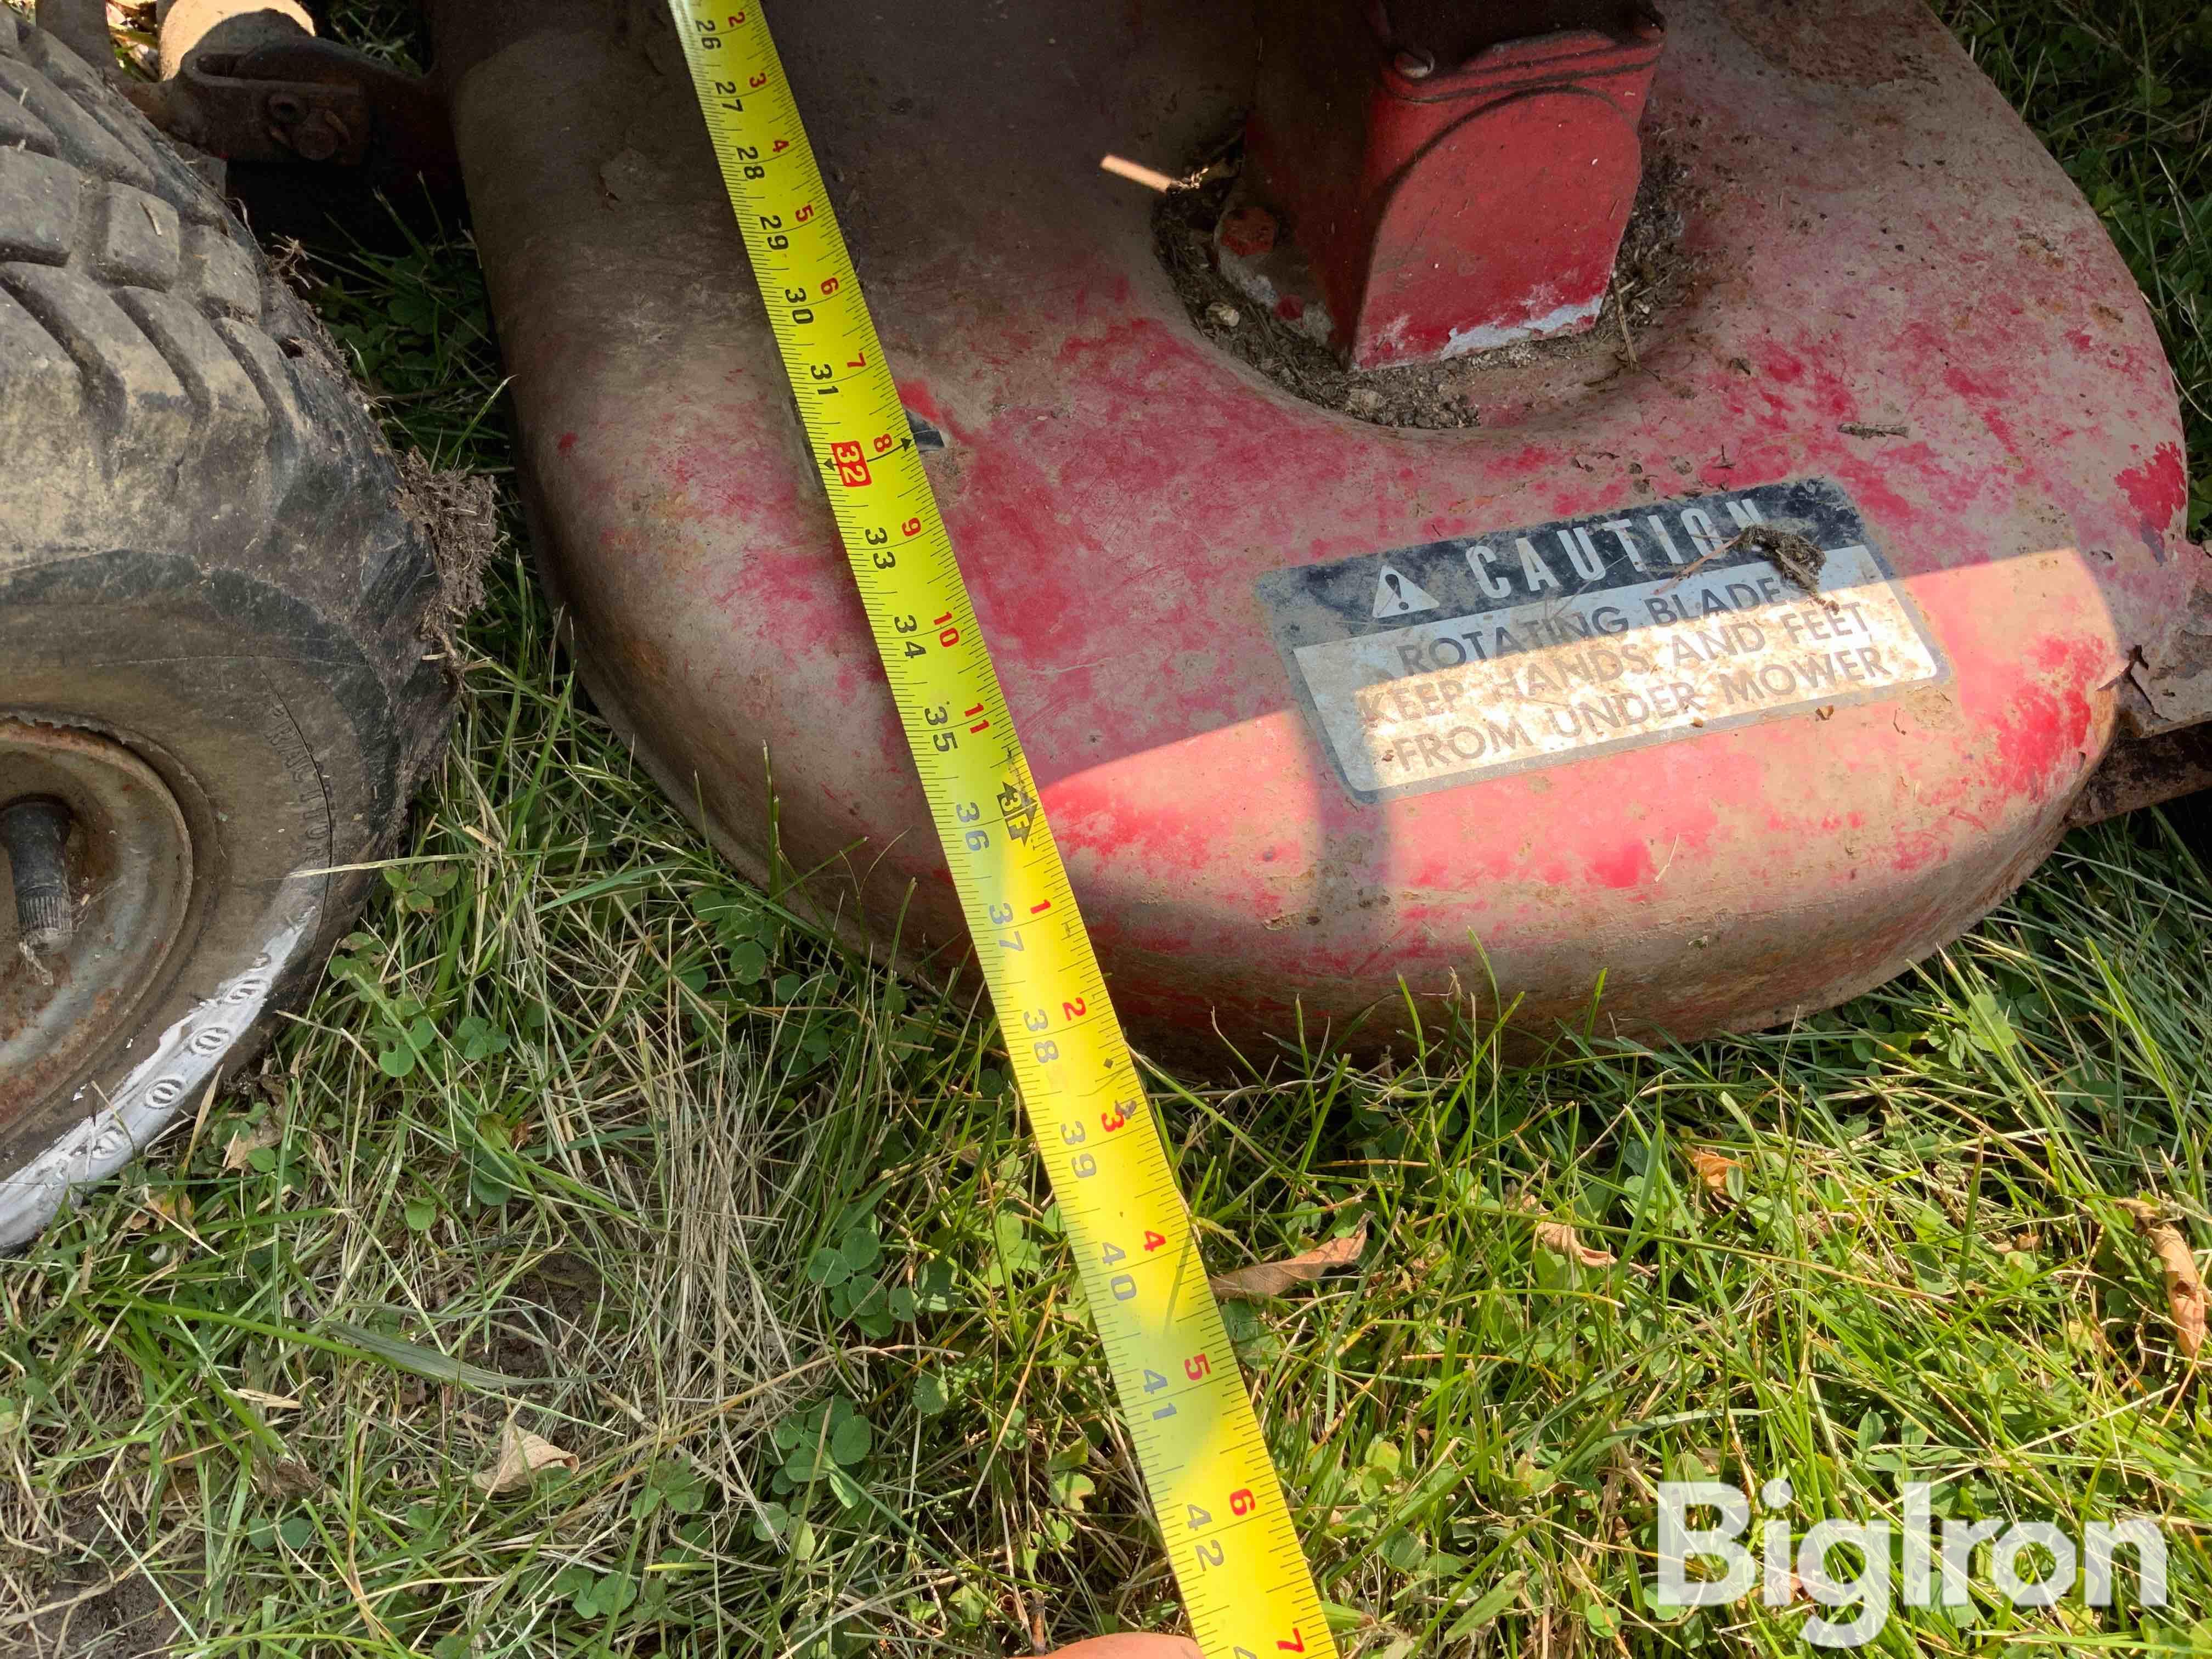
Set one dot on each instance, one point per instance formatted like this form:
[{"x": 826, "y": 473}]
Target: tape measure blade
[{"x": 1212, "y": 1486}]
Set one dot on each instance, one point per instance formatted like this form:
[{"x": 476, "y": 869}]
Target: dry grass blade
[{"x": 268, "y": 1402}]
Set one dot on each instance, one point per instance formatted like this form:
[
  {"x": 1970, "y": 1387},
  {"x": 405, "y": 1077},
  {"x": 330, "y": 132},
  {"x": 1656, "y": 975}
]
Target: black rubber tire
[{"x": 203, "y": 558}]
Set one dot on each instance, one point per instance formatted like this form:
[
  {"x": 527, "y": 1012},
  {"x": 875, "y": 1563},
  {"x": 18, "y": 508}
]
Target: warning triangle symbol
[{"x": 1396, "y": 595}]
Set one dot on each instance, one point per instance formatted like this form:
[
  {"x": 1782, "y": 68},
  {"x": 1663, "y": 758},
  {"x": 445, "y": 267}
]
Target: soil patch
[{"x": 549, "y": 1322}]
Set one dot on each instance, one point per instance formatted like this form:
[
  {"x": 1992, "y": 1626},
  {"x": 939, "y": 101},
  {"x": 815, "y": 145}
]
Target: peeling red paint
[{"x": 2159, "y": 488}]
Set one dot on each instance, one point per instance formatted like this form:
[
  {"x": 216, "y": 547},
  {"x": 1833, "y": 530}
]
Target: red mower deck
[{"x": 1504, "y": 710}]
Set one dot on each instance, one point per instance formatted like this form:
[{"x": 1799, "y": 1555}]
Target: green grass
[{"x": 584, "y": 1137}]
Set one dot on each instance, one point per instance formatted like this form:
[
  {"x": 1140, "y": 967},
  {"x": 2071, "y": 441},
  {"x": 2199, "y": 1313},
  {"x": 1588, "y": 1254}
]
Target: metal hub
[{"x": 80, "y": 812}]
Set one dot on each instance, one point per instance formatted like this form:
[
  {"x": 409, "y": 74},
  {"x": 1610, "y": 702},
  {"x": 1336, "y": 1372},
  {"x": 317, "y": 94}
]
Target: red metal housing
[
  {"x": 1451, "y": 208},
  {"x": 1905, "y": 326}
]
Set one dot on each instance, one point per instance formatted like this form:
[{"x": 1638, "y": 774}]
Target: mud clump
[
  {"x": 1798, "y": 557},
  {"x": 1650, "y": 276},
  {"x": 457, "y": 513}
]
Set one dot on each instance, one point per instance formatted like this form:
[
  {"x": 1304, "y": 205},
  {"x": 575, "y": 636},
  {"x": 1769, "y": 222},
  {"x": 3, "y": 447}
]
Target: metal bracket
[{"x": 258, "y": 88}]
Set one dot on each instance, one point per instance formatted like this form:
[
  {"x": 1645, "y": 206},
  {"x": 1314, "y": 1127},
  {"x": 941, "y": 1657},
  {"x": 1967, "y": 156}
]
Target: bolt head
[{"x": 319, "y": 137}]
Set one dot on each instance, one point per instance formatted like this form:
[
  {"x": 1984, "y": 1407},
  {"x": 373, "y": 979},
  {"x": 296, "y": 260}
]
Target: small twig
[
  {"x": 1691, "y": 569},
  {"x": 1137, "y": 172},
  {"x": 1620, "y": 311}
]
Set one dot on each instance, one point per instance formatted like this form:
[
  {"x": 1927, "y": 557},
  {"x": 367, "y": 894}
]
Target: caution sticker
[{"x": 1431, "y": 665}]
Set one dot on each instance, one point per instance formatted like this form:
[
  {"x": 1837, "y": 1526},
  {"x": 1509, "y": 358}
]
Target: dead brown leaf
[
  {"x": 244, "y": 1143},
  {"x": 2185, "y": 1286},
  {"x": 521, "y": 1454},
  {"x": 1560, "y": 1238},
  {"x": 174, "y": 1207},
  {"x": 1712, "y": 1169},
  {"x": 171, "y": 1208},
  {"x": 1266, "y": 1278}
]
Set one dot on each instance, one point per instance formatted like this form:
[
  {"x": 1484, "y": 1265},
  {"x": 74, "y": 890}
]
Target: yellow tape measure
[{"x": 1221, "y": 1509}]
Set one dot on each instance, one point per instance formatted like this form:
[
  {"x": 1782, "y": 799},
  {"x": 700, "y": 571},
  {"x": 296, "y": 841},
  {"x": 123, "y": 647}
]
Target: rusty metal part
[
  {"x": 1451, "y": 188},
  {"x": 126, "y": 874},
  {"x": 237, "y": 26},
  {"x": 1888, "y": 284},
  {"x": 251, "y": 83},
  {"x": 33, "y": 834},
  {"x": 2172, "y": 672},
  {"x": 2145, "y": 771}
]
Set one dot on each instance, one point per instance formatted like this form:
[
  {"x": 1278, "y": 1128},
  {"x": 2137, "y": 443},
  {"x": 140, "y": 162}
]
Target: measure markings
[{"x": 1196, "y": 1437}]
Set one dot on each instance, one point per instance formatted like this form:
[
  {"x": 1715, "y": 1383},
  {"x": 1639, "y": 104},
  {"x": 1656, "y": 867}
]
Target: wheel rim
[{"x": 129, "y": 858}]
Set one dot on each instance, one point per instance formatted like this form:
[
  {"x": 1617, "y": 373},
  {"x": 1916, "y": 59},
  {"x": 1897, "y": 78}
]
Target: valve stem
[{"x": 33, "y": 832}]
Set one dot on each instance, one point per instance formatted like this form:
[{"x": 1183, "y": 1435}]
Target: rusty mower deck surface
[{"x": 1323, "y": 707}]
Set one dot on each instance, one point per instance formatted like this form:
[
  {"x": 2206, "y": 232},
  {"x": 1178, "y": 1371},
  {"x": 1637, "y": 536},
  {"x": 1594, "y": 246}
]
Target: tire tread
[
  {"x": 142, "y": 414},
  {"x": 172, "y": 422},
  {"x": 108, "y": 241}
]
